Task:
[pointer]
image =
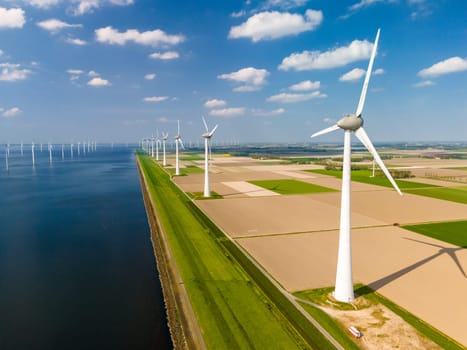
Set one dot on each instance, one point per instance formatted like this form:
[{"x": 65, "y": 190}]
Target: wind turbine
[
  {"x": 164, "y": 140},
  {"x": 207, "y": 155},
  {"x": 352, "y": 123},
  {"x": 178, "y": 140},
  {"x": 32, "y": 155},
  {"x": 158, "y": 143}
]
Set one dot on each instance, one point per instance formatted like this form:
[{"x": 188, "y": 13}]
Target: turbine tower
[
  {"x": 178, "y": 140},
  {"x": 352, "y": 123},
  {"x": 158, "y": 143},
  {"x": 164, "y": 140},
  {"x": 207, "y": 155}
]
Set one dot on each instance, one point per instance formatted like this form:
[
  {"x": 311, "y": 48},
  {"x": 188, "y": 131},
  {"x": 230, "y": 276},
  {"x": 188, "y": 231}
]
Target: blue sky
[{"x": 274, "y": 71}]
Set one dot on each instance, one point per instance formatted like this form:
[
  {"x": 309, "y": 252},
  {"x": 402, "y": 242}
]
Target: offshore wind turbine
[
  {"x": 50, "y": 152},
  {"x": 164, "y": 140},
  {"x": 32, "y": 155},
  {"x": 207, "y": 155},
  {"x": 178, "y": 140},
  {"x": 352, "y": 123}
]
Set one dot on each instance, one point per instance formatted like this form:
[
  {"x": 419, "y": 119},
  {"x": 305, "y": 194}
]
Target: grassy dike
[{"x": 235, "y": 305}]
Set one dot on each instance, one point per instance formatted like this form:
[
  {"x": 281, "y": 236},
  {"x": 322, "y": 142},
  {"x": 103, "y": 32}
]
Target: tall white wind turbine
[
  {"x": 165, "y": 136},
  {"x": 178, "y": 140},
  {"x": 207, "y": 148},
  {"x": 352, "y": 123},
  {"x": 158, "y": 143}
]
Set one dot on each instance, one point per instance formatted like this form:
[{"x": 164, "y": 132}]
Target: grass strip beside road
[
  {"x": 234, "y": 305},
  {"x": 288, "y": 186}
]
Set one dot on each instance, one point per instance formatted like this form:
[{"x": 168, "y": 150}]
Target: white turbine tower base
[
  {"x": 207, "y": 140},
  {"x": 352, "y": 123},
  {"x": 178, "y": 140}
]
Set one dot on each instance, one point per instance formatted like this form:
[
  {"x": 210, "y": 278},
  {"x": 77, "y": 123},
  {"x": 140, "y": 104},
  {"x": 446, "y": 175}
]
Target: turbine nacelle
[{"x": 350, "y": 122}]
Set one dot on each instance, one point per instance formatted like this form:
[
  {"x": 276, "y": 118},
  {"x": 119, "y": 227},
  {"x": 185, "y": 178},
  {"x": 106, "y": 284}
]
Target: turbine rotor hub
[{"x": 350, "y": 122}]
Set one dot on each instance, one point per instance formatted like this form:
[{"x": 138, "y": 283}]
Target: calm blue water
[{"x": 77, "y": 270}]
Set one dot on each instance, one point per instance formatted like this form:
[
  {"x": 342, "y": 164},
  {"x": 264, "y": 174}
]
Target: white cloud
[
  {"x": 75, "y": 71},
  {"x": 306, "y": 85},
  {"x": 92, "y": 73},
  {"x": 273, "y": 25},
  {"x": 98, "y": 81},
  {"x": 76, "y": 41},
  {"x": 214, "y": 103},
  {"x": 450, "y": 65},
  {"x": 12, "y": 112},
  {"x": 308, "y": 60},
  {"x": 354, "y": 75},
  {"x": 150, "y": 76},
  {"x": 253, "y": 79},
  {"x": 11, "y": 18},
  {"x": 163, "y": 120},
  {"x": 238, "y": 14},
  {"x": 292, "y": 98},
  {"x": 86, "y": 6},
  {"x": 55, "y": 25},
  {"x": 366, "y": 3},
  {"x": 228, "y": 112},
  {"x": 42, "y": 3},
  {"x": 379, "y": 71},
  {"x": 155, "y": 99},
  {"x": 13, "y": 72},
  {"x": 263, "y": 113},
  {"x": 155, "y": 37},
  {"x": 169, "y": 55},
  {"x": 424, "y": 83}
]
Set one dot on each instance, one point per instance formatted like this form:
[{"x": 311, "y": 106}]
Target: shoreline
[{"x": 183, "y": 326}]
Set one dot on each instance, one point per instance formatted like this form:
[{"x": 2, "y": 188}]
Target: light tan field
[{"x": 295, "y": 238}]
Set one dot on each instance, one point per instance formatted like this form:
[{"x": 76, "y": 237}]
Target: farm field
[
  {"x": 451, "y": 232},
  {"x": 453, "y": 194},
  {"x": 289, "y": 186}
]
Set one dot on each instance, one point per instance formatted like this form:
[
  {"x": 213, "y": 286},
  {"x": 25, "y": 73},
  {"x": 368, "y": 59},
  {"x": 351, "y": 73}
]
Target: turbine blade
[
  {"x": 325, "y": 131},
  {"x": 367, "y": 77},
  {"x": 205, "y": 124},
  {"x": 178, "y": 127},
  {"x": 181, "y": 143},
  {"x": 363, "y": 137},
  {"x": 213, "y": 130}
]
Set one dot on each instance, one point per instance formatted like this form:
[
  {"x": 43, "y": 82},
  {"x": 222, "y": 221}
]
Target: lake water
[{"x": 77, "y": 269}]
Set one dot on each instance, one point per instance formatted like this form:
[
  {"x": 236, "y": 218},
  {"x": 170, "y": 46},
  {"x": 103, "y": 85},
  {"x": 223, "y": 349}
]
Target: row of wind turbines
[
  {"x": 152, "y": 144},
  {"x": 350, "y": 124}
]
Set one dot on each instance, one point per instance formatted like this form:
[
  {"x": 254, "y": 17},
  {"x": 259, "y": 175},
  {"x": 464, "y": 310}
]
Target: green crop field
[
  {"x": 290, "y": 186},
  {"x": 189, "y": 169},
  {"x": 237, "y": 307},
  {"x": 454, "y": 232},
  {"x": 453, "y": 194},
  {"x": 191, "y": 156},
  {"x": 364, "y": 176}
]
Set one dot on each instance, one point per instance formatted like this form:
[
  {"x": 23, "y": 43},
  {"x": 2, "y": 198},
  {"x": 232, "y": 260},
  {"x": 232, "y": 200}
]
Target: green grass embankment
[{"x": 236, "y": 306}]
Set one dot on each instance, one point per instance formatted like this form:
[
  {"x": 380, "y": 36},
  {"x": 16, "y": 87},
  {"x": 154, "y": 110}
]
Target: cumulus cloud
[
  {"x": 214, "y": 103},
  {"x": 228, "y": 112},
  {"x": 150, "y": 76},
  {"x": 55, "y": 25},
  {"x": 169, "y": 55},
  {"x": 13, "y": 72},
  {"x": 92, "y": 73},
  {"x": 253, "y": 79},
  {"x": 292, "y": 98},
  {"x": 87, "y": 6},
  {"x": 157, "y": 37},
  {"x": 155, "y": 99},
  {"x": 308, "y": 60},
  {"x": 424, "y": 83},
  {"x": 12, "y": 18},
  {"x": 353, "y": 75},
  {"x": 42, "y": 3},
  {"x": 450, "y": 65},
  {"x": 272, "y": 25},
  {"x": 306, "y": 85},
  {"x": 98, "y": 82},
  {"x": 378, "y": 71},
  {"x": 12, "y": 112},
  {"x": 76, "y": 41},
  {"x": 75, "y": 71},
  {"x": 263, "y": 113}
]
